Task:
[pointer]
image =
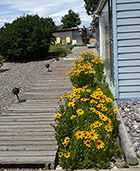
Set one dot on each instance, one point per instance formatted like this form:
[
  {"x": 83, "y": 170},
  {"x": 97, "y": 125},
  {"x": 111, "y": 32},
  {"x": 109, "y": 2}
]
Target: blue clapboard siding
[{"x": 128, "y": 45}]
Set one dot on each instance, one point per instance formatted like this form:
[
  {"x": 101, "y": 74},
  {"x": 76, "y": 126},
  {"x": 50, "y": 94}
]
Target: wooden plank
[
  {"x": 127, "y": 36},
  {"x": 129, "y": 82},
  {"x": 131, "y": 6},
  {"x": 40, "y": 120},
  {"x": 128, "y": 21},
  {"x": 8, "y": 113},
  {"x": 27, "y": 153},
  {"x": 27, "y": 160},
  {"x": 28, "y": 129},
  {"x": 128, "y": 14},
  {"x": 26, "y": 123},
  {"x": 26, "y": 126},
  {"x": 39, "y": 133},
  {"x": 127, "y": 43},
  {"x": 29, "y": 148},
  {"x": 26, "y": 143},
  {"x": 129, "y": 63},
  {"x": 131, "y": 56},
  {"x": 129, "y": 76},
  {"x": 129, "y": 89}
]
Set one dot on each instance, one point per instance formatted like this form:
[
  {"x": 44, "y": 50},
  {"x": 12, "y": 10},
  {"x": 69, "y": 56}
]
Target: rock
[
  {"x": 126, "y": 109},
  {"x": 138, "y": 147},
  {"x": 135, "y": 126},
  {"x": 138, "y": 119},
  {"x": 138, "y": 154}
]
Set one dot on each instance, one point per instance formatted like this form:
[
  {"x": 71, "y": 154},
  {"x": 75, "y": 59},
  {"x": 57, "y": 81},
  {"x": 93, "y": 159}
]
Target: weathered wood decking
[{"x": 26, "y": 136}]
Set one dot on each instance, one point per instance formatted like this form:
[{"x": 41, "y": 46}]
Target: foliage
[
  {"x": 59, "y": 50},
  {"x": 87, "y": 70},
  {"x": 86, "y": 123},
  {"x": 71, "y": 19},
  {"x": 1, "y": 61},
  {"x": 90, "y": 6},
  {"x": 26, "y": 37}
]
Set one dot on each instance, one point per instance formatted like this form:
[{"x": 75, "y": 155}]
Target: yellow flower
[
  {"x": 108, "y": 121},
  {"x": 67, "y": 155},
  {"x": 64, "y": 144},
  {"x": 87, "y": 143},
  {"x": 109, "y": 128},
  {"x": 78, "y": 96},
  {"x": 108, "y": 136},
  {"x": 80, "y": 112},
  {"x": 88, "y": 90},
  {"x": 67, "y": 139},
  {"x": 60, "y": 154},
  {"x": 62, "y": 97},
  {"x": 97, "y": 124},
  {"x": 79, "y": 135},
  {"x": 103, "y": 117},
  {"x": 109, "y": 100},
  {"x": 93, "y": 135},
  {"x": 99, "y": 144},
  {"x": 115, "y": 111},
  {"x": 58, "y": 115},
  {"x": 92, "y": 72},
  {"x": 84, "y": 99},
  {"x": 92, "y": 109},
  {"x": 85, "y": 134},
  {"x": 73, "y": 117}
]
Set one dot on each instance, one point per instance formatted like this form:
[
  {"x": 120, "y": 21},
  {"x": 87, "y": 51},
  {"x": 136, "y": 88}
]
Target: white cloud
[{"x": 11, "y": 9}]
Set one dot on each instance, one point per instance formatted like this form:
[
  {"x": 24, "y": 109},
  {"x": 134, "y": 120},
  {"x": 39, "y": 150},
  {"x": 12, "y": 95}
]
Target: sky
[{"x": 12, "y": 9}]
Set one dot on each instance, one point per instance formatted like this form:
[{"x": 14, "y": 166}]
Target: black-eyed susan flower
[
  {"x": 67, "y": 139},
  {"x": 85, "y": 134},
  {"x": 60, "y": 154},
  {"x": 115, "y": 111},
  {"x": 79, "y": 134},
  {"x": 87, "y": 143},
  {"x": 109, "y": 128},
  {"x": 73, "y": 117},
  {"x": 99, "y": 144},
  {"x": 67, "y": 155},
  {"x": 103, "y": 117},
  {"x": 58, "y": 115},
  {"x": 93, "y": 135},
  {"x": 88, "y": 90},
  {"x": 80, "y": 112},
  {"x": 64, "y": 144},
  {"x": 97, "y": 124}
]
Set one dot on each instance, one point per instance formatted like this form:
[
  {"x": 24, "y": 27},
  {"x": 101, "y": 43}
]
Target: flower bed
[{"x": 86, "y": 125}]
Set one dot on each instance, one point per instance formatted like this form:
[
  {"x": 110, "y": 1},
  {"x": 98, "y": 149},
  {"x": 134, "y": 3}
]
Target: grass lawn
[{"x": 62, "y": 51}]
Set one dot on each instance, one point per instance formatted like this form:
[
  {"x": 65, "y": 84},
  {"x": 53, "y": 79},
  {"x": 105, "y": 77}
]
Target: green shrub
[
  {"x": 86, "y": 125},
  {"x": 87, "y": 69},
  {"x": 26, "y": 37},
  {"x": 1, "y": 61}
]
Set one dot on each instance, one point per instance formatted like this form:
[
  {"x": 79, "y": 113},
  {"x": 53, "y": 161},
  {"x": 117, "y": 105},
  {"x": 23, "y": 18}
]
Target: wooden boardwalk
[{"x": 26, "y": 136}]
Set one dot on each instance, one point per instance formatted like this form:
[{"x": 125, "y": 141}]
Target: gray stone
[
  {"x": 138, "y": 119},
  {"x": 126, "y": 109},
  {"x": 138, "y": 154},
  {"x": 138, "y": 147}
]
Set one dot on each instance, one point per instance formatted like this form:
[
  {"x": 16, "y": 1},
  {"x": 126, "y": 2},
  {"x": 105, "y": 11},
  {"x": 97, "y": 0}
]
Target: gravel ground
[
  {"x": 130, "y": 113},
  {"x": 21, "y": 75}
]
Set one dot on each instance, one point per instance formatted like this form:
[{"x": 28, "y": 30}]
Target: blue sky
[{"x": 11, "y": 9}]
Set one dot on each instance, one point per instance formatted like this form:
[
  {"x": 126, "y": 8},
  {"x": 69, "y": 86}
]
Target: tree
[
  {"x": 71, "y": 19},
  {"x": 91, "y": 6},
  {"x": 27, "y": 37}
]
